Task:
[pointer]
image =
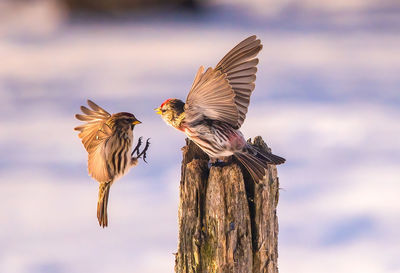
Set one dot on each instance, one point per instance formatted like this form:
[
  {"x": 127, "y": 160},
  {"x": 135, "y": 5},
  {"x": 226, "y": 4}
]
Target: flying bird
[
  {"x": 108, "y": 140},
  {"x": 216, "y": 107}
]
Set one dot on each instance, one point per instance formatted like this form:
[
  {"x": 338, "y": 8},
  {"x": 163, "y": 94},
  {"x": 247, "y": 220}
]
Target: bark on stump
[{"x": 227, "y": 223}]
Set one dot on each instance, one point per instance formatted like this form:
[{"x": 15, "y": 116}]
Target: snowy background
[{"x": 327, "y": 99}]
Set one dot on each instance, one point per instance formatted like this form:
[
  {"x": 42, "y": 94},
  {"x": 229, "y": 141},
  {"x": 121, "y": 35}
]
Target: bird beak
[
  {"x": 158, "y": 111},
  {"x": 136, "y": 122}
]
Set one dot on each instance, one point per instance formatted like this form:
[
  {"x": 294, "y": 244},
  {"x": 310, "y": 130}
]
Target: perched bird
[
  {"x": 216, "y": 107},
  {"x": 108, "y": 141}
]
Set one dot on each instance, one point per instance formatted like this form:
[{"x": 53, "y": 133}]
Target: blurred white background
[{"x": 327, "y": 98}]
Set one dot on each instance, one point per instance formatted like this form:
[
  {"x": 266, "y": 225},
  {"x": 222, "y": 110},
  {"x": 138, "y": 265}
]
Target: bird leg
[
  {"x": 144, "y": 151},
  {"x": 137, "y": 146},
  {"x": 220, "y": 162}
]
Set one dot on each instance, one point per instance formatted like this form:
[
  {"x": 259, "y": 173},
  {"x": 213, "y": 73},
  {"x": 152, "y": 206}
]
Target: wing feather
[
  {"x": 94, "y": 134},
  {"x": 242, "y": 44},
  {"x": 211, "y": 97},
  {"x": 239, "y": 65},
  {"x": 242, "y": 73},
  {"x": 223, "y": 93}
]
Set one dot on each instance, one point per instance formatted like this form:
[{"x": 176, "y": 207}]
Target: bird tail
[
  {"x": 256, "y": 162},
  {"x": 268, "y": 157},
  {"x": 104, "y": 191}
]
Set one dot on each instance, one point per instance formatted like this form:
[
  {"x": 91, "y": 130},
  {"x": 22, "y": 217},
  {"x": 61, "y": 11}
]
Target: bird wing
[
  {"x": 239, "y": 65},
  {"x": 94, "y": 134},
  {"x": 211, "y": 97}
]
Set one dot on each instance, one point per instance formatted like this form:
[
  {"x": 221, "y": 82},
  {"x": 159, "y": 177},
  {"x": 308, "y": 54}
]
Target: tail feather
[
  {"x": 253, "y": 164},
  {"x": 256, "y": 162},
  {"x": 104, "y": 191},
  {"x": 270, "y": 158}
]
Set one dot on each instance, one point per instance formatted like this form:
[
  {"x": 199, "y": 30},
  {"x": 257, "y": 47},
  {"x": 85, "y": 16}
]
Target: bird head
[
  {"x": 123, "y": 120},
  {"x": 171, "y": 111}
]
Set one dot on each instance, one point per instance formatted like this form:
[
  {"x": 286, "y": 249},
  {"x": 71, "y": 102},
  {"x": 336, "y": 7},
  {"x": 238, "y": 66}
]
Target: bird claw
[
  {"x": 217, "y": 163},
  {"x": 137, "y": 147},
  {"x": 142, "y": 154}
]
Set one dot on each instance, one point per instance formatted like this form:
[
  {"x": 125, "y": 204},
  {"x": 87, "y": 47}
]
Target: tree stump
[{"x": 227, "y": 223}]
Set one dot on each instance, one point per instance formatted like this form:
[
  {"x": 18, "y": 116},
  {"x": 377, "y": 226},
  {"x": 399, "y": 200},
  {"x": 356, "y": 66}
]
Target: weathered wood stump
[{"x": 227, "y": 223}]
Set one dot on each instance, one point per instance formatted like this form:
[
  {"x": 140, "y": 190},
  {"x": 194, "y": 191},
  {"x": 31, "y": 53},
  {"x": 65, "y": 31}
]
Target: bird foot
[
  {"x": 143, "y": 153},
  {"x": 218, "y": 163},
  {"x": 137, "y": 146}
]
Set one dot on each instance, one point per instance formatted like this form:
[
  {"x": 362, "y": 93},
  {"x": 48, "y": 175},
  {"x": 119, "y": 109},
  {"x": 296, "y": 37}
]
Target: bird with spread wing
[
  {"x": 216, "y": 107},
  {"x": 108, "y": 140}
]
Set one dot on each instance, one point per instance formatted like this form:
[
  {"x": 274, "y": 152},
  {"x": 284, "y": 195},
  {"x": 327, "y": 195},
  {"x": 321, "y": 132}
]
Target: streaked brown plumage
[
  {"x": 108, "y": 140},
  {"x": 216, "y": 108}
]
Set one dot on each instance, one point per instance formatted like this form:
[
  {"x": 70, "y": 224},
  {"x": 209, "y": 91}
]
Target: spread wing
[
  {"x": 239, "y": 65},
  {"x": 211, "y": 97},
  {"x": 94, "y": 134}
]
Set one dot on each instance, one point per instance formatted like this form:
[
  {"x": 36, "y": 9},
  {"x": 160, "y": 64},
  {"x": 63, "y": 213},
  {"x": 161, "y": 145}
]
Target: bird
[
  {"x": 216, "y": 107},
  {"x": 108, "y": 140}
]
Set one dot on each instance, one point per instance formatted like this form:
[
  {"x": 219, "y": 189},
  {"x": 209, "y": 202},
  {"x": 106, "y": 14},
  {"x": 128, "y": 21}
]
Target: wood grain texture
[{"x": 227, "y": 223}]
